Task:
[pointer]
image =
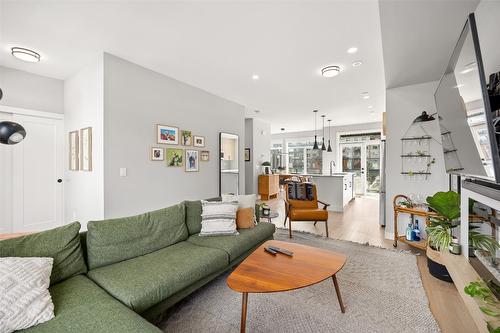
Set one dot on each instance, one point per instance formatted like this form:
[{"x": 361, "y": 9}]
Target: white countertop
[{"x": 337, "y": 174}]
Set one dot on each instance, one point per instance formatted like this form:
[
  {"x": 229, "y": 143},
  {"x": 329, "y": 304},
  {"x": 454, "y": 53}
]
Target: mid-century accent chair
[{"x": 304, "y": 209}]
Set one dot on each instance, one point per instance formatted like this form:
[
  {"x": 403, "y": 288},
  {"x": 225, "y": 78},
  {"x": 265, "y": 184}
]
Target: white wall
[
  {"x": 258, "y": 139},
  {"x": 403, "y": 105},
  {"x": 488, "y": 26},
  {"x": 30, "y": 91},
  {"x": 83, "y": 104},
  {"x": 249, "y": 165},
  {"x": 135, "y": 100}
]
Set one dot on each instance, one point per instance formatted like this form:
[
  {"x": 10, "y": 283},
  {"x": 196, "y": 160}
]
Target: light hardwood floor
[{"x": 359, "y": 223}]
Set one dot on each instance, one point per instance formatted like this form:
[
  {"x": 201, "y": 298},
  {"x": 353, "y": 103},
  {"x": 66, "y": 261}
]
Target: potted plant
[
  {"x": 266, "y": 165},
  {"x": 447, "y": 205}
]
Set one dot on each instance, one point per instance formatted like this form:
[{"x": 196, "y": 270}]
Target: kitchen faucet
[{"x": 332, "y": 166}]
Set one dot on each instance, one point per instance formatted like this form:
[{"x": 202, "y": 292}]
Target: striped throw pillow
[{"x": 218, "y": 218}]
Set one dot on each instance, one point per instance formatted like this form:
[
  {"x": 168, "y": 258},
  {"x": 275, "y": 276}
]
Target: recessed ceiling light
[
  {"x": 357, "y": 63},
  {"x": 255, "y": 77},
  {"x": 352, "y": 50},
  {"x": 370, "y": 106},
  {"x": 25, "y": 54},
  {"x": 366, "y": 96},
  {"x": 330, "y": 71}
]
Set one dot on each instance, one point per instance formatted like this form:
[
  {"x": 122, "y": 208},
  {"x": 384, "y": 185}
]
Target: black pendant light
[
  {"x": 315, "y": 136},
  {"x": 10, "y": 132},
  {"x": 323, "y": 147},
  {"x": 329, "y": 137}
]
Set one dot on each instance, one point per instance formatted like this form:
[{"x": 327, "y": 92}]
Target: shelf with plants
[{"x": 416, "y": 159}]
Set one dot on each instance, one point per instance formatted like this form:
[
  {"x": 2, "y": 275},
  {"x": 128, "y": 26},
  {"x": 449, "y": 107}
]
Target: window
[{"x": 302, "y": 159}]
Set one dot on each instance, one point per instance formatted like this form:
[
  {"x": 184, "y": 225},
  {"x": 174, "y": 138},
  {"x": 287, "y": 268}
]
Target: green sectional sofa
[{"x": 123, "y": 273}]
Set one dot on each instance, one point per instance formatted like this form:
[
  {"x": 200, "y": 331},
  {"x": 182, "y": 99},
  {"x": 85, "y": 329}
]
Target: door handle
[{"x": 59, "y": 180}]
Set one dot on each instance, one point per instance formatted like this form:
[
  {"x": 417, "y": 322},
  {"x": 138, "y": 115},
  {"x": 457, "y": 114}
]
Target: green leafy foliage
[
  {"x": 483, "y": 242},
  {"x": 447, "y": 204},
  {"x": 491, "y": 306},
  {"x": 439, "y": 236}
]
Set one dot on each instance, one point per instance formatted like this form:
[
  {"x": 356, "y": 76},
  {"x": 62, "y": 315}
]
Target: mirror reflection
[{"x": 229, "y": 166}]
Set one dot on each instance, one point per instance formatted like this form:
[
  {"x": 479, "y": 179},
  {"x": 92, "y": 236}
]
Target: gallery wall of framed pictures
[
  {"x": 80, "y": 149},
  {"x": 176, "y": 157}
]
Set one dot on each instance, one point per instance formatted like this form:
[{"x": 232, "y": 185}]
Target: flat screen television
[{"x": 468, "y": 134}]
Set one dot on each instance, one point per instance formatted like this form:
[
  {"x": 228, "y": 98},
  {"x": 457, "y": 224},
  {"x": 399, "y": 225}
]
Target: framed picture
[
  {"x": 187, "y": 138},
  {"x": 175, "y": 157},
  {"x": 167, "y": 134},
  {"x": 198, "y": 141},
  {"x": 157, "y": 154},
  {"x": 86, "y": 149},
  {"x": 247, "y": 154},
  {"x": 73, "y": 151},
  {"x": 192, "y": 161},
  {"x": 204, "y": 155}
]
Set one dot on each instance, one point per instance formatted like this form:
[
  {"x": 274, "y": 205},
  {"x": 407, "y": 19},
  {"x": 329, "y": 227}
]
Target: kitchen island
[{"x": 336, "y": 189}]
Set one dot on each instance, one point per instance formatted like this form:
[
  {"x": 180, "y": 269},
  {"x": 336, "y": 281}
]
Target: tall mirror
[{"x": 229, "y": 172}]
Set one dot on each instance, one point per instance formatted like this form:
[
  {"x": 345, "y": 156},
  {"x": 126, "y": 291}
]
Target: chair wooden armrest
[{"x": 324, "y": 203}]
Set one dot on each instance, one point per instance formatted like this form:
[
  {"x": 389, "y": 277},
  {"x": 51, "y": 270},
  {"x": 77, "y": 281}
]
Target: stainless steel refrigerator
[{"x": 382, "y": 184}]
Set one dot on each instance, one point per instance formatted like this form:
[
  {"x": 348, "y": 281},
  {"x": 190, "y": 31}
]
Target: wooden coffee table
[{"x": 262, "y": 272}]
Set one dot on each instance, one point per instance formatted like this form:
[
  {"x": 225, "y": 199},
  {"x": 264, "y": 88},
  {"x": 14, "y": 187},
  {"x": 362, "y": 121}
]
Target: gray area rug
[{"x": 381, "y": 289}]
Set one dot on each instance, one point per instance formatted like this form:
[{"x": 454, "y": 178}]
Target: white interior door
[
  {"x": 5, "y": 182},
  {"x": 37, "y": 175}
]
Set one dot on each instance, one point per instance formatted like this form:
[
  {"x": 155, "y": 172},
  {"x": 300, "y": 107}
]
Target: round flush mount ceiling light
[
  {"x": 330, "y": 71},
  {"x": 357, "y": 63},
  {"x": 24, "y": 54},
  {"x": 255, "y": 77},
  {"x": 352, "y": 50}
]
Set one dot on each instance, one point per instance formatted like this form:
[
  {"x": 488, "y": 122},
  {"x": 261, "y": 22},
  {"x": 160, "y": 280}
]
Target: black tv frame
[{"x": 470, "y": 25}]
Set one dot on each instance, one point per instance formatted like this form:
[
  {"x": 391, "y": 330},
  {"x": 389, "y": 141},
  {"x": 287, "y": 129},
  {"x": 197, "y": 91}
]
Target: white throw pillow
[
  {"x": 218, "y": 218},
  {"x": 24, "y": 293},
  {"x": 244, "y": 201}
]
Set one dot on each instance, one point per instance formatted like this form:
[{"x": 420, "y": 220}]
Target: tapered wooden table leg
[
  {"x": 244, "y": 313},
  {"x": 336, "y": 284}
]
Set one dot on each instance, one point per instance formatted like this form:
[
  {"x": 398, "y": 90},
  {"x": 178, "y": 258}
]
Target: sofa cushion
[
  {"x": 81, "y": 306},
  {"x": 62, "y": 244},
  {"x": 24, "y": 292},
  {"x": 193, "y": 216},
  {"x": 236, "y": 245},
  {"x": 147, "y": 280},
  {"x": 115, "y": 240}
]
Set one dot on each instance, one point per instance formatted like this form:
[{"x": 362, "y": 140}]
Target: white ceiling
[
  {"x": 418, "y": 37},
  {"x": 218, "y": 46}
]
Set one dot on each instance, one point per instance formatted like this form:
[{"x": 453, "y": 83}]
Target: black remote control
[
  {"x": 280, "y": 250},
  {"x": 268, "y": 250}
]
